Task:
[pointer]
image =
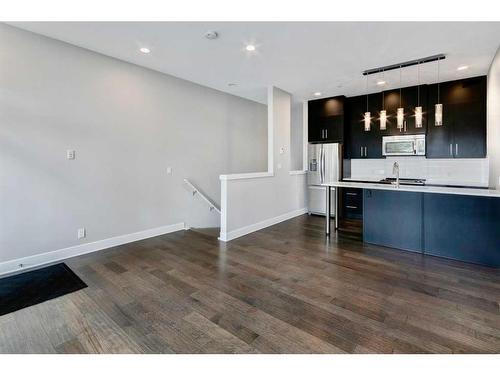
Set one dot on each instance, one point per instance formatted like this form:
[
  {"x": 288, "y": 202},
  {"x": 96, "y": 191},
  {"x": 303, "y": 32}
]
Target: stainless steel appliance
[
  {"x": 325, "y": 162},
  {"x": 401, "y": 145}
]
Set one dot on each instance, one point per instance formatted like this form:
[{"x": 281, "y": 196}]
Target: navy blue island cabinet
[{"x": 460, "y": 227}]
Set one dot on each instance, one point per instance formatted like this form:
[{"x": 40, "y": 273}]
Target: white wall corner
[{"x": 305, "y": 138}]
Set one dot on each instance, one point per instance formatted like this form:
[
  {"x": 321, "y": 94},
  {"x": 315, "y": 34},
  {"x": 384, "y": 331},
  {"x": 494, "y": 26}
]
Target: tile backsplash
[{"x": 464, "y": 172}]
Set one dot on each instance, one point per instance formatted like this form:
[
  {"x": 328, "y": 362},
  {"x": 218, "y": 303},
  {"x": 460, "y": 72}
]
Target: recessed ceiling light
[
  {"x": 317, "y": 93},
  {"x": 250, "y": 47},
  {"x": 380, "y": 83},
  {"x": 145, "y": 50},
  {"x": 463, "y": 67}
]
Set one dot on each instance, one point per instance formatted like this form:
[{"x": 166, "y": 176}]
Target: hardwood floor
[{"x": 284, "y": 289}]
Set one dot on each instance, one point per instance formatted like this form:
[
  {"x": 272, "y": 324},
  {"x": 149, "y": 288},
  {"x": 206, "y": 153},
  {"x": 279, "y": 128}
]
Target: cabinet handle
[
  {"x": 352, "y": 207},
  {"x": 456, "y": 149},
  {"x": 361, "y": 151},
  {"x": 366, "y": 149},
  {"x": 326, "y": 133},
  {"x": 351, "y": 193},
  {"x": 451, "y": 149}
]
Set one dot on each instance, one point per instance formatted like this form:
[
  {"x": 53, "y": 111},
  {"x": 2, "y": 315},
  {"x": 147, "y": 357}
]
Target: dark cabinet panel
[
  {"x": 326, "y": 120},
  {"x": 463, "y": 133},
  {"x": 463, "y": 228},
  {"x": 409, "y": 98},
  {"x": 393, "y": 218},
  {"x": 352, "y": 203},
  {"x": 361, "y": 143}
]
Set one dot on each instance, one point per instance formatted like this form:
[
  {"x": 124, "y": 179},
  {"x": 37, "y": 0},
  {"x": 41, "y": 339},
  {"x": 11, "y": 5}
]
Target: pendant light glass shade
[
  {"x": 438, "y": 112},
  {"x": 400, "y": 117},
  {"x": 400, "y": 114},
  {"x": 418, "y": 117},
  {"x": 367, "y": 117},
  {"x": 438, "y": 115},
  {"x": 418, "y": 108},
  {"x": 367, "y": 121},
  {"x": 383, "y": 119}
]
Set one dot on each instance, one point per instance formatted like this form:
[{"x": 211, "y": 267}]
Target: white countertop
[
  {"x": 417, "y": 189},
  {"x": 429, "y": 181}
]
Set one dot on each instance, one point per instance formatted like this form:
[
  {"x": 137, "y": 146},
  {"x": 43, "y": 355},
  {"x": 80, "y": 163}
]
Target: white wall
[
  {"x": 296, "y": 134},
  {"x": 127, "y": 124},
  {"x": 494, "y": 121},
  {"x": 255, "y": 201}
]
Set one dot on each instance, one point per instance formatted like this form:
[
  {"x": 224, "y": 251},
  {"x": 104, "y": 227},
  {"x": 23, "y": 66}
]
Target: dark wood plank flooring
[{"x": 284, "y": 289}]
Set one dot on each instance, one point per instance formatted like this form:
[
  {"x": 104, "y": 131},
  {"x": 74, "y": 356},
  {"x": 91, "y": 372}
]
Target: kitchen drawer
[{"x": 352, "y": 203}]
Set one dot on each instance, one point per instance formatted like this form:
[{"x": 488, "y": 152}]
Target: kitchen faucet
[{"x": 395, "y": 170}]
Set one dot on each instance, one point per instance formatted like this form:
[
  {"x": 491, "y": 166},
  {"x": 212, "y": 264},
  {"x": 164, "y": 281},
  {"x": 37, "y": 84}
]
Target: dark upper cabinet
[
  {"x": 326, "y": 120},
  {"x": 408, "y": 98},
  {"x": 463, "y": 133},
  {"x": 360, "y": 143}
]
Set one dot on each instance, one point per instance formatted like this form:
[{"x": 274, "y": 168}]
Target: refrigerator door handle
[
  {"x": 321, "y": 176},
  {"x": 323, "y": 164}
]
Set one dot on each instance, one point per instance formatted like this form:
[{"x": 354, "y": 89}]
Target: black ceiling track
[{"x": 405, "y": 64}]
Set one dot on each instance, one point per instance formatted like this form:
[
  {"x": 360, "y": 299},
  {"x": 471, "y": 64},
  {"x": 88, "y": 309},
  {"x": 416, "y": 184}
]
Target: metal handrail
[{"x": 194, "y": 191}]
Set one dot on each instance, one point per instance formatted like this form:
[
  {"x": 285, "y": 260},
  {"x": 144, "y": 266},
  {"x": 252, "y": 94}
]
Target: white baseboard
[
  {"x": 228, "y": 236},
  {"x": 69, "y": 252}
]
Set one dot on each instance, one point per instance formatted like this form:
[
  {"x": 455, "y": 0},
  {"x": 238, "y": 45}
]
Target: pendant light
[
  {"x": 418, "y": 109},
  {"x": 400, "y": 111},
  {"x": 383, "y": 113},
  {"x": 367, "y": 113},
  {"x": 438, "y": 113}
]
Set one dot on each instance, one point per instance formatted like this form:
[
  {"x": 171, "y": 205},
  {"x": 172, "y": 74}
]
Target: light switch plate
[
  {"x": 169, "y": 170},
  {"x": 70, "y": 154}
]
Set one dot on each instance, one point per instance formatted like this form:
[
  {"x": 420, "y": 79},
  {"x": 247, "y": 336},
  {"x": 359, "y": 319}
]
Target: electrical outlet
[
  {"x": 81, "y": 233},
  {"x": 70, "y": 154}
]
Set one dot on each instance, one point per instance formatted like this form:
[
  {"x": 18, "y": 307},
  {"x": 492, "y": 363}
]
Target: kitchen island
[{"x": 450, "y": 222}]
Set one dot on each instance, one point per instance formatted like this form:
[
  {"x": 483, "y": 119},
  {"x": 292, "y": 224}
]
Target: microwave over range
[{"x": 401, "y": 145}]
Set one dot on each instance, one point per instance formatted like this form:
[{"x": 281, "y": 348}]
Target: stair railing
[{"x": 194, "y": 191}]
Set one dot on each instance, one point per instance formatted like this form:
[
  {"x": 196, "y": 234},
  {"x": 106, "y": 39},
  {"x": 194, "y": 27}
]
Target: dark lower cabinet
[
  {"x": 352, "y": 203},
  {"x": 393, "y": 218},
  {"x": 462, "y": 227}
]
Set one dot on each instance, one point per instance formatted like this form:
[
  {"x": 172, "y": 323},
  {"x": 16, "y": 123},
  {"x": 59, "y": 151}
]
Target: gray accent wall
[{"x": 127, "y": 124}]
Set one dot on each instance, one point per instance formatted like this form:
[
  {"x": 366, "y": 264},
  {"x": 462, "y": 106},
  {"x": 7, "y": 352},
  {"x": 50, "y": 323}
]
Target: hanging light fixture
[
  {"x": 400, "y": 112},
  {"x": 438, "y": 112},
  {"x": 367, "y": 113},
  {"x": 383, "y": 113},
  {"x": 418, "y": 109}
]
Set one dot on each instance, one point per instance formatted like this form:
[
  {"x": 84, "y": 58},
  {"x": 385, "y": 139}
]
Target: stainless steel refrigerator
[{"x": 325, "y": 161}]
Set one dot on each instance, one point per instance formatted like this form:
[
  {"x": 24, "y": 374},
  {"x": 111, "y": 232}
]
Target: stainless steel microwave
[{"x": 401, "y": 145}]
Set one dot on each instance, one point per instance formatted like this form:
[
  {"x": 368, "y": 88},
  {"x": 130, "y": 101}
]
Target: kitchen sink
[{"x": 403, "y": 181}]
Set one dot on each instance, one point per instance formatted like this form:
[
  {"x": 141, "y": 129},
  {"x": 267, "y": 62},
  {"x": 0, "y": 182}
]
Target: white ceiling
[{"x": 299, "y": 57}]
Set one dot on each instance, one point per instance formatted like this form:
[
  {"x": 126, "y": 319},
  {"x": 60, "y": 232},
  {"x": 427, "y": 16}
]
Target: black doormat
[{"x": 33, "y": 287}]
